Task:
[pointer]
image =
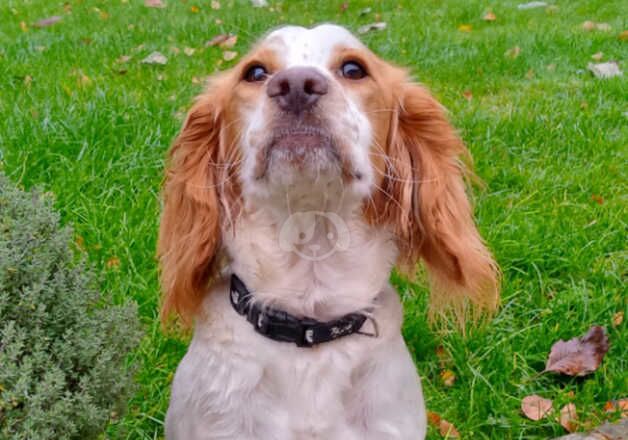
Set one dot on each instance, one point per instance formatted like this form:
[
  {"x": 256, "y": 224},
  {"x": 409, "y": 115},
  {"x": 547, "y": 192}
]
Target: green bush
[{"x": 63, "y": 346}]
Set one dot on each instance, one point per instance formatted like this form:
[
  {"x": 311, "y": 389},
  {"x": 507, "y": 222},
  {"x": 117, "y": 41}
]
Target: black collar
[{"x": 281, "y": 326}]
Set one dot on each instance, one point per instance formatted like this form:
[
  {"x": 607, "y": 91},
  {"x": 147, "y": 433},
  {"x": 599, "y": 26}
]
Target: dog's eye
[
  {"x": 256, "y": 73},
  {"x": 352, "y": 70}
]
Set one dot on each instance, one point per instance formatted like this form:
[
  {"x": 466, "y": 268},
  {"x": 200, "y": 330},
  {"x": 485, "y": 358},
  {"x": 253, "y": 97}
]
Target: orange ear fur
[
  {"x": 194, "y": 198},
  {"x": 428, "y": 208}
]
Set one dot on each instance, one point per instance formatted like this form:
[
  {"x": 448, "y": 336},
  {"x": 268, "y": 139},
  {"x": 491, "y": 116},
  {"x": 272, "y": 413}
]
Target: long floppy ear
[
  {"x": 190, "y": 230},
  {"x": 431, "y": 214}
]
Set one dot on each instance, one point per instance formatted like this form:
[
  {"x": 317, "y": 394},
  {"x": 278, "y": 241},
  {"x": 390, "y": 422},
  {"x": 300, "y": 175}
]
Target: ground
[{"x": 548, "y": 139}]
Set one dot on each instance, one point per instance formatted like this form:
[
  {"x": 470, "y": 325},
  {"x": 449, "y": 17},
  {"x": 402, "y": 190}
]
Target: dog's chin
[{"x": 301, "y": 157}]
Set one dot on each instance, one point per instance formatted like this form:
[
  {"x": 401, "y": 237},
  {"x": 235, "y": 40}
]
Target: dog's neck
[{"x": 310, "y": 256}]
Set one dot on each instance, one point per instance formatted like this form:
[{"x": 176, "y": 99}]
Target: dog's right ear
[{"x": 190, "y": 230}]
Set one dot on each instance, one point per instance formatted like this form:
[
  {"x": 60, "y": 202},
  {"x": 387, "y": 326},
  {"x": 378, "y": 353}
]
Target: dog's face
[{"x": 314, "y": 112}]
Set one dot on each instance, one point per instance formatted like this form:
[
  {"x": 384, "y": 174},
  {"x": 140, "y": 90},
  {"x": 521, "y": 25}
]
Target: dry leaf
[
  {"x": 123, "y": 59},
  {"x": 623, "y": 35},
  {"x": 597, "y": 199},
  {"x": 189, "y": 51},
  {"x": 618, "y": 318},
  {"x": 23, "y": 26},
  {"x": 218, "y": 39},
  {"x": 433, "y": 419},
  {"x": 579, "y": 356},
  {"x": 468, "y": 95},
  {"x": 28, "y": 80},
  {"x": 617, "y": 406},
  {"x": 215, "y": 5},
  {"x": 447, "y": 429},
  {"x": 377, "y": 26},
  {"x": 113, "y": 262},
  {"x": 569, "y": 417},
  {"x": 531, "y": 5},
  {"x": 154, "y": 4},
  {"x": 489, "y": 16},
  {"x": 535, "y": 407},
  {"x": 448, "y": 377},
  {"x": 229, "y": 55},
  {"x": 48, "y": 21},
  {"x": 175, "y": 50},
  {"x": 513, "y": 52},
  {"x": 229, "y": 42},
  {"x": 195, "y": 9},
  {"x": 597, "y": 56},
  {"x": 344, "y": 6},
  {"x": 593, "y": 26},
  {"x": 155, "y": 58},
  {"x": 605, "y": 70},
  {"x": 465, "y": 28}
]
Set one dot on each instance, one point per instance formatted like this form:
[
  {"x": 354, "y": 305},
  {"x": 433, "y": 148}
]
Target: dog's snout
[{"x": 297, "y": 89}]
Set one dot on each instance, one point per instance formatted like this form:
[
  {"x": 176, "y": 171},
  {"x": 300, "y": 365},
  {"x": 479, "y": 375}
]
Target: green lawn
[{"x": 549, "y": 141}]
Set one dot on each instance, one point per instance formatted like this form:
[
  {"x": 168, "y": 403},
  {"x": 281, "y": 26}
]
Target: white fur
[{"x": 236, "y": 384}]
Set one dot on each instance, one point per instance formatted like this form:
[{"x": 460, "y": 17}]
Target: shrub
[{"x": 63, "y": 346}]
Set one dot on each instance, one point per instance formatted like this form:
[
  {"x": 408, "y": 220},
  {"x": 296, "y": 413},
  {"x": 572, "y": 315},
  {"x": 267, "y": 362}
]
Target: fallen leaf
[
  {"x": 597, "y": 56},
  {"x": 189, "y": 51},
  {"x": 377, "y": 26},
  {"x": 468, "y": 95},
  {"x": 531, "y": 5},
  {"x": 215, "y": 5},
  {"x": 175, "y": 50},
  {"x": 218, "y": 39},
  {"x": 535, "y": 407},
  {"x": 579, "y": 356},
  {"x": 617, "y": 406},
  {"x": 593, "y": 26},
  {"x": 154, "y": 4},
  {"x": 513, "y": 52},
  {"x": 123, "y": 59},
  {"x": 344, "y": 6},
  {"x": 80, "y": 242},
  {"x": 229, "y": 55},
  {"x": 623, "y": 35},
  {"x": 259, "y": 3},
  {"x": 465, "y": 28},
  {"x": 605, "y": 70},
  {"x": 433, "y": 419},
  {"x": 447, "y": 429},
  {"x": 113, "y": 262},
  {"x": 489, "y": 16},
  {"x": 194, "y": 9},
  {"x": 448, "y": 377},
  {"x": 597, "y": 199},
  {"x": 229, "y": 42},
  {"x": 568, "y": 417},
  {"x": 23, "y": 26},
  {"x": 28, "y": 80},
  {"x": 618, "y": 318},
  {"x": 155, "y": 58},
  {"x": 48, "y": 21}
]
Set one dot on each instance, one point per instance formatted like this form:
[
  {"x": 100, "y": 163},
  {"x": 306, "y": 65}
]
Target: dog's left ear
[{"x": 428, "y": 207}]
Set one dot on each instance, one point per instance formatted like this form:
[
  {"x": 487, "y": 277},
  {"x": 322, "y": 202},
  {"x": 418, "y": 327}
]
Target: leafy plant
[{"x": 63, "y": 345}]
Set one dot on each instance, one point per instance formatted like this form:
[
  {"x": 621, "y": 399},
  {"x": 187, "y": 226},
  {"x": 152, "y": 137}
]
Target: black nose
[{"x": 297, "y": 89}]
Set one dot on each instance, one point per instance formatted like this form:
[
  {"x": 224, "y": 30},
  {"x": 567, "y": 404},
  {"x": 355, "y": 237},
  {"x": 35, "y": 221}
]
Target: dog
[{"x": 301, "y": 177}]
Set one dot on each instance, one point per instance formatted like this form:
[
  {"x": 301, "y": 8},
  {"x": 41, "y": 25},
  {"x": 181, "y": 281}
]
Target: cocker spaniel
[{"x": 300, "y": 178}]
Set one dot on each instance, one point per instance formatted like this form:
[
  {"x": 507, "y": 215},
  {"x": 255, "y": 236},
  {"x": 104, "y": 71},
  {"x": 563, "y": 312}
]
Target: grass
[{"x": 549, "y": 140}]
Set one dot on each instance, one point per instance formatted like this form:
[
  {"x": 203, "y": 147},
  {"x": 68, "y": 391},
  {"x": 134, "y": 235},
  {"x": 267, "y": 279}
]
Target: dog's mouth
[{"x": 301, "y": 149}]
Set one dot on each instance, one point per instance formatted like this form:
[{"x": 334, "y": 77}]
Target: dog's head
[{"x": 313, "y": 111}]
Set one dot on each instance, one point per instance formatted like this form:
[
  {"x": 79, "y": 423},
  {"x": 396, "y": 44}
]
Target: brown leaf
[
  {"x": 593, "y": 26},
  {"x": 189, "y": 51},
  {"x": 448, "y": 377},
  {"x": 48, "y": 21},
  {"x": 623, "y": 35},
  {"x": 229, "y": 42},
  {"x": 215, "y": 5},
  {"x": 344, "y": 6},
  {"x": 620, "y": 405},
  {"x": 218, "y": 39},
  {"x": 468, "y": 95},
  {"x": 433, "y": 419},
  {"x": 569, "y": 417},
  {"x": 513, "y": 52},
  {"x": 194, "y": 9},
  {"x": 154, "y": 4},
  {"x": 597, "y": 199},
  {"x": 23, "y": 26},
  {"x": 123, "y": 59},
  {"x": 113, "y": 263},
  {"x": 579, "y": 356},
  {"x": 535, "y": 407},
  {"x": 597, "y": 56},
  {"x": 447, "y": 429},
  {"x": 618, "y": 318},
  {"x": 489, "y": 16},
  {"x": 229, "y": 55},
  {"x": 155, "y": 58}
]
